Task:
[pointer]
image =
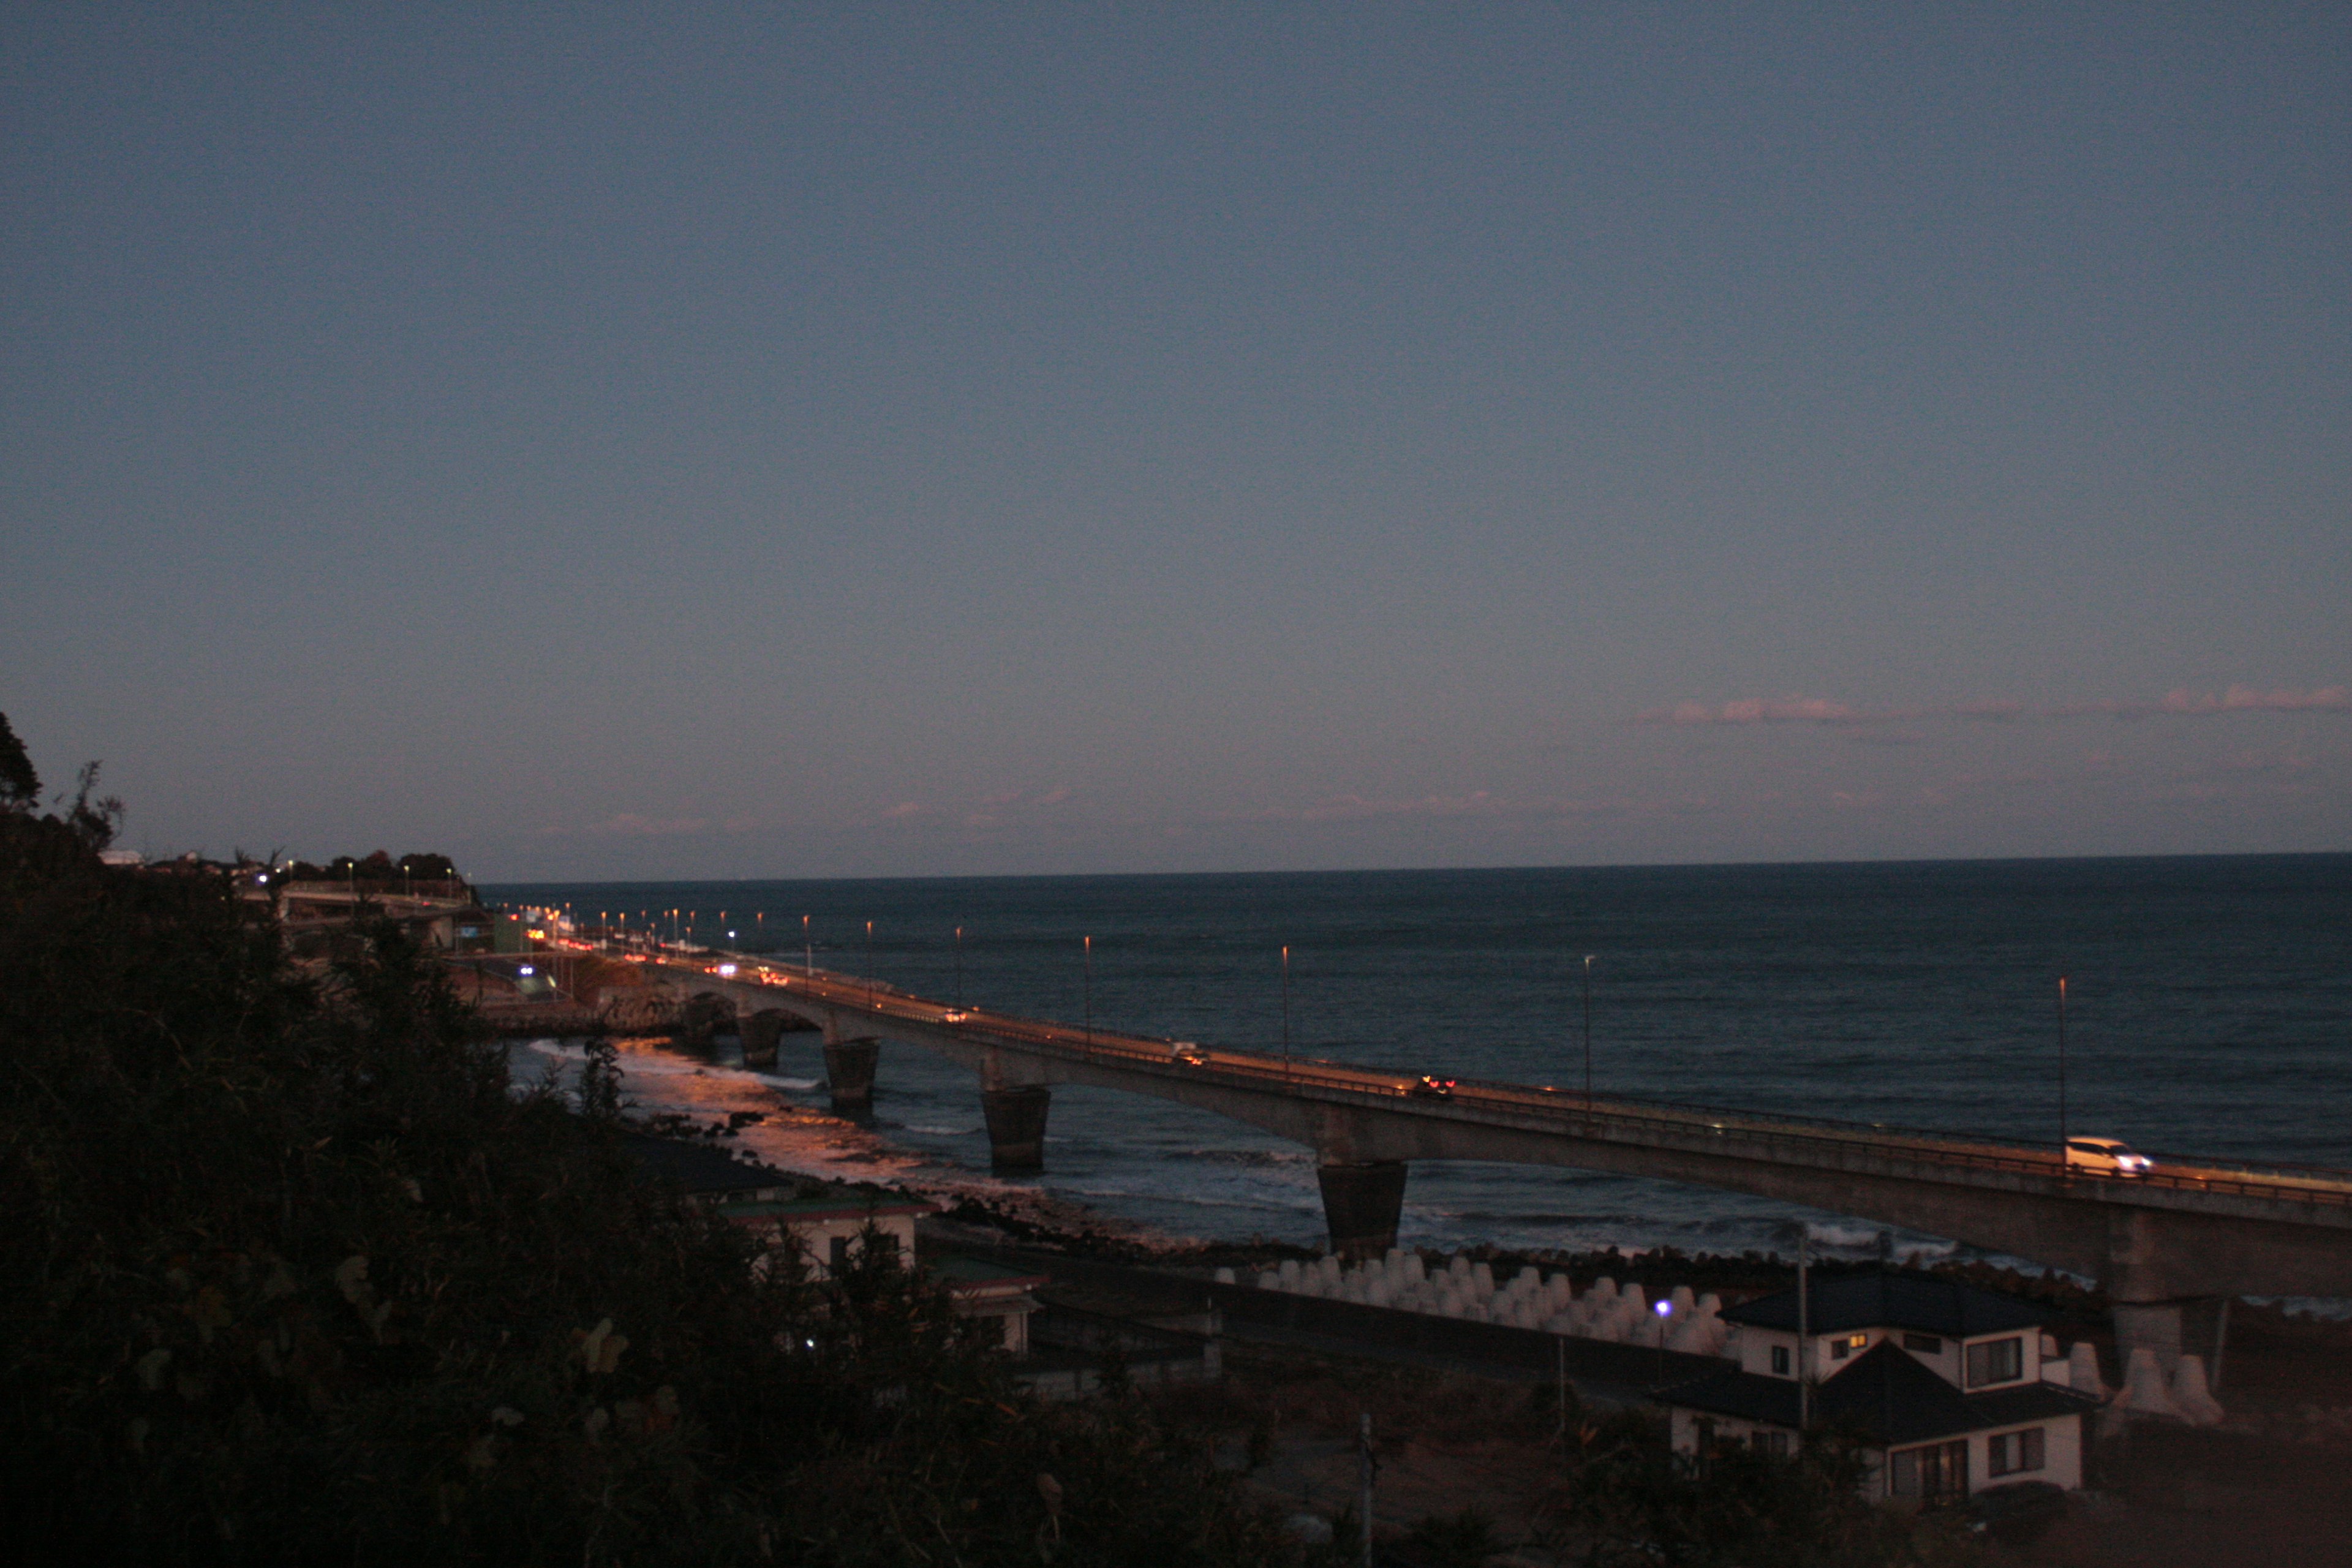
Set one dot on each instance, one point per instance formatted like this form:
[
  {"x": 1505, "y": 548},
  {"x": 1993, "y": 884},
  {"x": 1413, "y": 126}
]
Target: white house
[
  {"x": 1954, "y": 1388},
  {"x": 825, "y": 1222}
]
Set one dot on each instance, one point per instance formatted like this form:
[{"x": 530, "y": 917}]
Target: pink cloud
[
  {"x": 630, "y": 823},
  {"x": 1757, "y": 710},
  {"x": 1825, "y": 711},
  {"x": 1473, "y": 805}
]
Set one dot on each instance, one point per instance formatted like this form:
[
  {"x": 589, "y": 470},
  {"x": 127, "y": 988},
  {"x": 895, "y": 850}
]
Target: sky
[{"x": 615, "y": 442}]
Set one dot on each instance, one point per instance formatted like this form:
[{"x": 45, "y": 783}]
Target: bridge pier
[
  {"x": 849, "y": 1072},
  {"x": 1016, "y": 1126},
  {"x": 2143, "y": 1281},
  {"x": 761, "y": 1033},
  {"x": 706, "y": 1015},
  {"x": 1363, "y": 1201}
]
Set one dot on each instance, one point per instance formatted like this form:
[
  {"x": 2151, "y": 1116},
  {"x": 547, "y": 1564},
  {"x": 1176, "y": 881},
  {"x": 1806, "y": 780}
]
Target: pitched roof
[
  {"x": 978, "y": 1276},
  {"x": 1889, "y": 1301},
  {"x": 1886, "y": 1394},
  {"x": 843, "y": 1200}
]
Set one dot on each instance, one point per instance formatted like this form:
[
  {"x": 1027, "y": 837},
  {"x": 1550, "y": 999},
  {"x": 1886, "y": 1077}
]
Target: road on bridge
[{"x": 1611, "y": 1118}]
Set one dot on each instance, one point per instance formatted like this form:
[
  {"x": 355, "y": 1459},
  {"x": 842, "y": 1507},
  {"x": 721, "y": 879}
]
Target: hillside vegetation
[{"x": 290, "y": 1275}]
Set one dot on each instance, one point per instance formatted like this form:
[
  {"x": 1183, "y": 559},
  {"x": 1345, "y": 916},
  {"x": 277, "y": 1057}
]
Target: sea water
[{"x": 2209, "y": 1011}]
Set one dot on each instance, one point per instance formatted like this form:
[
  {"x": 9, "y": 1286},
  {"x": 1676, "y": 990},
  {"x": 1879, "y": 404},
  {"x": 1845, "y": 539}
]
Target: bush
[{"x": 292, "y": 1275}]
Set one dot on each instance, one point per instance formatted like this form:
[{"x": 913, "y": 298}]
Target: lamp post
[
  {"x": 1665, "y": 1309},
  {"x": 1588, "y": 1034},
  {"x": 1286, "y": 1012},
  {"x": 959, "y": 962},
  {"x": 1089, "y": 993},
  {"x": 2061, "y": 1071},
  {"x": 869, "y": 964},
  {"x": 808, "y": 949}
]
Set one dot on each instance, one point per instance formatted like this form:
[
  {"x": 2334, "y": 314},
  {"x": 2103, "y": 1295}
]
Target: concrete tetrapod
[
  {"x": 2191, "y": 1395},
  {"x": 2144, "y": 1391},
  {"x": 2083, "y": 1370}
]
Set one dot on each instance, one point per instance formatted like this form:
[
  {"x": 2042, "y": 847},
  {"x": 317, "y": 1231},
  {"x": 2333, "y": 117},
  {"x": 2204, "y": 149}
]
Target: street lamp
[
  {"x": 1090, "y": 993},
  {"x": 1588, "y": 1034},
  {"x": 808, "y": 948},
  {"x": 1286, "y": 1012},
  {"x": 869, "y": 964},
  {"x": 2061, "y": 1071},
  {"x": 959, "y": 961},
  {"x": 1665, "y": 1309}
]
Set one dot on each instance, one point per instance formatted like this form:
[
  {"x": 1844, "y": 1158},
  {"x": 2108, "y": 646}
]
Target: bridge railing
[{"x": 1616, "y": 1113}]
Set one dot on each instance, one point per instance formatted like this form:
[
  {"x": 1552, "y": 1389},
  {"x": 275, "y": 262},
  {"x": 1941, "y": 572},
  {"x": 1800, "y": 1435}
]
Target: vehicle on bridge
[
  {"x": 1430, "y": 1087},
  {"x": 2105, "y": 1157},
  {"x": 1188, "y": 1052}
]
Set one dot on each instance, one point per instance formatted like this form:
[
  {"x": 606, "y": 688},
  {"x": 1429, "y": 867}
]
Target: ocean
[{"x": 2208, "y": 1012}]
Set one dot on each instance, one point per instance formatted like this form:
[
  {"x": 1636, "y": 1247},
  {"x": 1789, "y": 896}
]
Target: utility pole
[
  {"x": 1560, "y": 1367},
  {"x": 1804, "y": 1334},
  {"x": 1365, "y": 1466}
]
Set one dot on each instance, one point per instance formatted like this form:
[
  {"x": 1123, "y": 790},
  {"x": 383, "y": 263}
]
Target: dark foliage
[
  {"x": 1462, "y": 1540},
  {"x": 20, "y": 786},
  {"x": 1631, "y": 1500},
  {"x": 291, "y": 1276}
]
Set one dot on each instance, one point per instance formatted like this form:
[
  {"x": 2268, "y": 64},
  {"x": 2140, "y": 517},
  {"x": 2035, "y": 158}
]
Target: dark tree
[
  {"x": 20, "y": 786},
  {"x": 290, "y": 1275}
]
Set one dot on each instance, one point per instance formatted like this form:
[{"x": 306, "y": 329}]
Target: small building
[
  {"x": 822, "y": 1219},
  {"x": 823, "y": 1222},
  {"x": 1954, "y": 1389},
  {"x": 991, "y": 1290}
]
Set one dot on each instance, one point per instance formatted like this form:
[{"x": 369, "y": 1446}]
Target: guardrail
[{"x": 1617, "y": 1115}]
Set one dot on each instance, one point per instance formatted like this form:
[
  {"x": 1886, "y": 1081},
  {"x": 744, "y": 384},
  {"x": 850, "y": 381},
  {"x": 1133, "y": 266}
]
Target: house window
[
  {"x": 1938, "y": 1470},
  {"x": 1996, "y": 1361},
  {"x": 1773, "y": 1442},
  {"x": 2009, "y": 1453},
  {"x": 1779, "y": 1361},
  {"x": 839, "y": 1258},
  {"x": 1845, "y": 1345},
  {"x": 1923, "y": 1345}
]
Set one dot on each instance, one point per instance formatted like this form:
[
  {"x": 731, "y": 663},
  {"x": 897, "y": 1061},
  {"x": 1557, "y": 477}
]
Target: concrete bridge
[{"x": 2168, "y": 1246}]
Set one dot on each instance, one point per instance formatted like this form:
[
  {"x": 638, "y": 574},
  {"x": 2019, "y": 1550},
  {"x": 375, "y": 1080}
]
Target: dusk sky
[{"x": 712, "y": 441}]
